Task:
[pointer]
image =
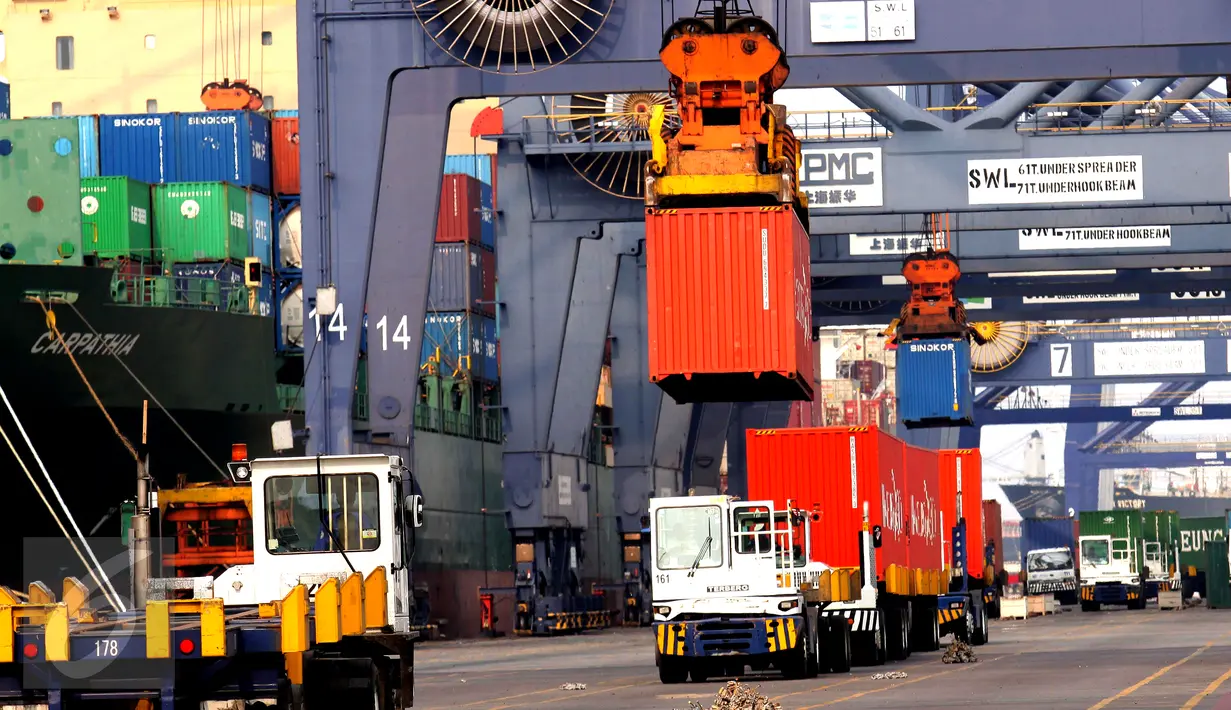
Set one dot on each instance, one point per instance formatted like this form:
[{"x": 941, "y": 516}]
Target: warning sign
[
  {"x": 1029, "y": 181},
  {"x": 1093, "y": 238}
]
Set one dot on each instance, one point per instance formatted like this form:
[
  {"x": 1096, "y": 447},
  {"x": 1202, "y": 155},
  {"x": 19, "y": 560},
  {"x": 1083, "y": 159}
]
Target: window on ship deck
[{"x": 294, "y": 522}]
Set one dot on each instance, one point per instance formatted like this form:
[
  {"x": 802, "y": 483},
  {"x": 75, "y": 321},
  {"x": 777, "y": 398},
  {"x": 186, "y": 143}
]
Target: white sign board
[
  {"x": 887, "y": 244},
  {"x": 1182, "y": 357},
  {"x": 1062, "y": 360},
  {"x": 835, "y": 177},
  {"x": 1084, "y": 298},
  {"x": 1029, "y": 181},
  {"x": 1197, "y": 295},
  {"x": 564, "y": 491},
  {"x": 839, "y": 21},
  {"x": 891, "y": 20},
  {"x": 1093, "y": 238},
  {"x": 976, "y": 304}
]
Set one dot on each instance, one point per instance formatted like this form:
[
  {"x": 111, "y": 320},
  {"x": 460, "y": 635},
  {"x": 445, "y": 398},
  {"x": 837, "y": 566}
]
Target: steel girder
[
  {"x": 1166, "y": 397},
  {"x": 707, "y": 438},
  {"x": 1139, "y": 417},
  {"x": 1054, "y": 361}
]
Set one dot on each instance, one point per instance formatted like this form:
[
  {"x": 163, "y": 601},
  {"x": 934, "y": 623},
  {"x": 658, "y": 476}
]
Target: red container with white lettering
[
  {"x": 993, "y": 533},
  {"x": 834, "y": 471},
  {"x": 965, "y": 465},
  {"x": 923, "y": 508}
]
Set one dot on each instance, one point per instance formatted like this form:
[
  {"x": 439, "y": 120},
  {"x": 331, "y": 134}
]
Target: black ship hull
[{"x": 212, "y": 373}]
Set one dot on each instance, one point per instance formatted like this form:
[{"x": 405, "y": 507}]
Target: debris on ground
[
  {"x": 573, "y": 686},
  {"x": 891, "y": 675},
  {"x": 959, "y": 652},
  {"x": 737, "y": 696}
]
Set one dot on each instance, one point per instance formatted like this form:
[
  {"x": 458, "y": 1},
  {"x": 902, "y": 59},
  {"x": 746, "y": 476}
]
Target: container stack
[
  {"x": 288, "y": 250},
  {"x": 459, "y": 363},
  {"x": 177, "y": 201}
]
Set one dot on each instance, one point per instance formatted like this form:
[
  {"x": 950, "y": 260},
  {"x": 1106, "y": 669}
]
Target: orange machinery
[
  {"x": 933, "y": 309},
  {"x": 212, "y": 525},
  {"x": 227, "y": 95},
  {"x": 729, "y": 145}
]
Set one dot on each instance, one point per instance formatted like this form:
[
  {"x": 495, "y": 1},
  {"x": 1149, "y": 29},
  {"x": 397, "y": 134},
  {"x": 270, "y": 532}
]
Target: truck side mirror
[
  {"x": 413, "y": 511},
  {"x": 876, "y": 536}
]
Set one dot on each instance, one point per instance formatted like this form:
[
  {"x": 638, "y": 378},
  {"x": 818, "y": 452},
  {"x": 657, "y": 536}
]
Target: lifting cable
[
  {"x": 51, "y": 322},
  {"x": 104, "y": 584}
]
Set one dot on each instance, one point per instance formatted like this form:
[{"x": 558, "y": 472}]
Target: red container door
[
  {"x": 923, "y": 487},
  {"x": 460, "y": 220},
  {"x": 947, "y": 503},
  {"x": 488, "y": 265},
  {"x": 285, "y": 140},
  {"x": 993, "y": 532},
  {"x": 970, "y": 463},
  {"x": 730, "y": 306},
  {"x": 850, "y": 410},
  {"x": 888, "y": 481}
]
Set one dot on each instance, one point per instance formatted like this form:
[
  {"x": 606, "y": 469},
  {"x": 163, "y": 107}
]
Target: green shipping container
[
  {"x": 200, "y": 221},
  {"x": 40, "y": 192},
  {"x": 1162, "y": 527},
  {"x": 1217, "y": 575},
  {"x": 1195, "y": 535},
  {"x": 1114, "y": 523},
  {"x": 115, "y": 217}
]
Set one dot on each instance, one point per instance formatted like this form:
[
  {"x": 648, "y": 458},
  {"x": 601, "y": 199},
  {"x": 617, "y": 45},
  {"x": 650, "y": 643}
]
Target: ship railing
[{"x": 486, "y": 427}]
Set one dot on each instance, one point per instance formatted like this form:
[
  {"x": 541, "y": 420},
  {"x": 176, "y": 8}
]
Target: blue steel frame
[{"x": 375, "y": 96}]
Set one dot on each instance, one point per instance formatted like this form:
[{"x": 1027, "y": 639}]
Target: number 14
[
  {"x": 400, "y": 334},
  {"x": 337, "y": 323}
]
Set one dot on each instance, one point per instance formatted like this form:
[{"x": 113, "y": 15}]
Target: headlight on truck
[
  {"x": 662, "y": 610},
  {"x": 788, "y": 605}
]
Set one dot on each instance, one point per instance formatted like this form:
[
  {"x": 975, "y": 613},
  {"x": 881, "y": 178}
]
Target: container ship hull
[{"x": 213, "y": 372}]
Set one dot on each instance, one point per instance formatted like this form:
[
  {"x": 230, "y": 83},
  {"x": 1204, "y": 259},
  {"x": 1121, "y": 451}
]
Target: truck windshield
[
  {"x": 300, "y": 517},
  {"x": 1096, "y": 552},
  {"x": 1051, "y": 561},
  {"x": 688, "y": 536}
]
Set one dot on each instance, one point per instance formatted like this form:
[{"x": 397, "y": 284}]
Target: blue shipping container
[
  {"x": 292, "y": 113},
  {"x": 463, "y": 338},
  {"x": 224, "y": 146},
  {"x": 1044, "y": 533},
  {"x": 87, "y": 144},
  {"x": 260, "y": 228},
  {"x": 5, "y": 107},
  {"x": 457, "y": 278},
  {"x": 933, "y": 383},
  {"x": 478, "y": 167},
  {"x": 139, "y": 145},
  {"x": 191, "y": 287},
  {"x": 487, "y": 211}
]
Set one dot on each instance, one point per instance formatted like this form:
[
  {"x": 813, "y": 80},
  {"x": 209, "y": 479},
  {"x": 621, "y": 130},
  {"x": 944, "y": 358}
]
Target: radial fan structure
[
  {"x": 1005, "y": 343},
  {"x": 848, "y": 307},
  {"x": 615, "y": 129},
  {"x": 512, "y": 36}
]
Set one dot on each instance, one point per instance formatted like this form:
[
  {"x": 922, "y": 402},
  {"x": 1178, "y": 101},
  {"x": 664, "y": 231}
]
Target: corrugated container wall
[
  {"x": 487, "y": 217},
  {"x": 1194, "y": 534},
  {"x": 730, "y": 305},
  {"x": 87, "y": 144},
  {"x": 1114, "y": 523},
  {"x": 200, "y": 221},
  {"x": 1042, "y": 533},
  {"x": 285, "y": 148},
  {"x": 1162, "y": 526},
  {"x": 457, "y": 279},
  {"x": 993, "y": 532},
  {"x": 460, "y": 220},
  {"x": 965, "y": 465},
  {"x": 466, "y": 342},
  {"x": 814, "y": 468},
  {"x": 1217, "y": 575},
  {"x": 40, "y": 191},
  {"x": 933, "y": 383},
  {"x": 224, "y": 146},
  {"x": 479, "y": 166},
  {"x": 221, "y": 285},
  {"x": 116, "y": 217},
  {"x": 140, "y": 146},
  {"x": 260, "y": 228},
  {"x": 922, "y": 491}
]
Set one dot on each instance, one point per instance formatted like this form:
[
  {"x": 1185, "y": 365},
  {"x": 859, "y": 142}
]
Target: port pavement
[{"x": 1106, "y": 660}]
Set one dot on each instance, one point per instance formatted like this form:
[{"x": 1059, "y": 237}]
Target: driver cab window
[
  {"x": 301, "y": 516},
  {"x": 755, "y": 535}
]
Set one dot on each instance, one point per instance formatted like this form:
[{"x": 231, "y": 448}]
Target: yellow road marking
[
  {"x": 1141, "y": 683},
  {"x": 1196, "y": 699}
]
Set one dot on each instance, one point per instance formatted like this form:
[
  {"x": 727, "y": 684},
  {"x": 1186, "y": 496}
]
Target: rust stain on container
[{"x": 730, "y": 304}]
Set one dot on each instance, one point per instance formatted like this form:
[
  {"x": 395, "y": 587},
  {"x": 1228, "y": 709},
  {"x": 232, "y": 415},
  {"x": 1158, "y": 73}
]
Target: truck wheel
[
  {"x": 879, "y": 646},
  {"x": 1089, "y": 606},
  {"x": 699, "y": 673},
  {"x": 895, "y": 621},
  {"x": 838, "y": 656},
  {"x": 672, "y": 670},
  {"x": 814, "y": 648},
  {"x": 981, "y": 630}
]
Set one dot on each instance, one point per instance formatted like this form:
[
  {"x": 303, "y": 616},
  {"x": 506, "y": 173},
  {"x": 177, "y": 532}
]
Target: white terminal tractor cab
[
  {"x": 1051, "y": 570},
  {"x": 733, "y": 586}
]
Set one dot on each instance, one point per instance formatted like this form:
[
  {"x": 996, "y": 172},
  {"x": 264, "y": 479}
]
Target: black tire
[
  {"x": 895, "y": 636},
  {"x": 1089, "y": 606},
  {"x": 839, "y": 657},
  {"x": 349, "y": 682},
  {"x": 813, "y": 637},
  {"x": 672, "y": 670},
  {"x": 879, "y": 644},
  {"x": 699, "y": 673},
  {"x": 981, "y": 631}
]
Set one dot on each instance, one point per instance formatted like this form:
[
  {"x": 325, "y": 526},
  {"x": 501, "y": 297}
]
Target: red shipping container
[
  {"x": 285, "y": 139},
  {"x": 489, "y": 281},
  {"x": 850, "y": 410},
  {"x": 460, "y": 219},
  {"x": 993, "y": 532},
  {"x": 730, "y": 304},
  {"x": 968, "y": 463},
  {"x": 810, "y": 467},
  {"x": 873, "y": 413},
  {"x": 923, "y": 506}
]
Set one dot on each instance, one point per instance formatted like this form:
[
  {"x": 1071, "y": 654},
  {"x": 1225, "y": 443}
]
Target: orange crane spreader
[
  {"x": 933, "y": 309},
  {"x": 228, "y": 94}
]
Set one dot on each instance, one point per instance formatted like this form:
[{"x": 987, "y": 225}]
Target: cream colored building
[{"x": 146, "y": 56}]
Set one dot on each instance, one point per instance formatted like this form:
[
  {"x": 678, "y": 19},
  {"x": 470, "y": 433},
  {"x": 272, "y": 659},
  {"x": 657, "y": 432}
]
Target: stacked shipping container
[{"x": 964, "y": 468}]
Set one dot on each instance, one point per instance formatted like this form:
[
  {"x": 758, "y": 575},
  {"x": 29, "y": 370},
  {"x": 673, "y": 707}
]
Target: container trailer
[
  {"x": 730, "y": 304},
  {"x": 831, "y": 471},
  {"x": 1050, "y": 566},
  {"x": 961, "y": 500},
  {"x": 1112, "y": 547},
  {"x": 993, "y": 535},
  {"x": 1161, "y": 529}
]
